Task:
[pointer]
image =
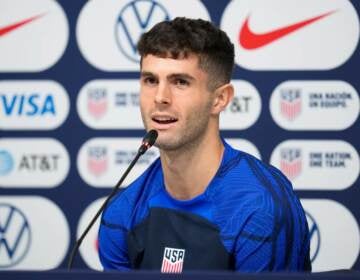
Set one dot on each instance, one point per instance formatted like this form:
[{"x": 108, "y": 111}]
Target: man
[{"x": 203, "y": 204}]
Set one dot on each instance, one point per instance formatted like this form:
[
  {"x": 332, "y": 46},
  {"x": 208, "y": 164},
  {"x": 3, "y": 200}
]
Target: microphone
[{"x": 148, "y": 140}]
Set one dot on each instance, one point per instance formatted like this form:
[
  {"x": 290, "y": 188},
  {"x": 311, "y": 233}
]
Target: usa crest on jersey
[{"x": 173, "y": 260}]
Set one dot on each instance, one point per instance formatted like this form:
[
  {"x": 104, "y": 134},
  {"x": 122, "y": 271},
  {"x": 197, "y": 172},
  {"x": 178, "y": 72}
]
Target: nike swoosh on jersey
[
  {"x": 251, "y": 40},
  {"x": 6, "y": 29}
]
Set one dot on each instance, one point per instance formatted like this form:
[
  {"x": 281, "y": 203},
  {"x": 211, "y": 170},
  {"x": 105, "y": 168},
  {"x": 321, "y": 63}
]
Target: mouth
[{"x": 164, "y": 119}]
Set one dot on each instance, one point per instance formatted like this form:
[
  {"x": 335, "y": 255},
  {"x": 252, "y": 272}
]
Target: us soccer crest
[
  {"x": 173, "y": 260},
  {"x": 290, "y": 103},
  {"x": 291, "y": 162},
  {"x": 97, "y": 102},
  {"x": 97, "y": 161}
]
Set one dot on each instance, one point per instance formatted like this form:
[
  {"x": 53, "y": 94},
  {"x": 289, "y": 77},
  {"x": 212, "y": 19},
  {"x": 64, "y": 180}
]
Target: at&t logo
[
  {"x": 15, "y": 235},
  {"x": 6, "y": 162},
  {"x": 136, "y": 18},
  {"x": 245, "y": 108},
  {"x": 32, "y": 162}
]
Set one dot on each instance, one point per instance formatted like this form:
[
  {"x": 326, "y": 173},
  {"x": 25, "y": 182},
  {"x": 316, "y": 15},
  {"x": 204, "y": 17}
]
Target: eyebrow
[
  {"x": 170, "y": 77},
  {"x": 181, "y": 76},
  {"x": 146, "y": 74}
]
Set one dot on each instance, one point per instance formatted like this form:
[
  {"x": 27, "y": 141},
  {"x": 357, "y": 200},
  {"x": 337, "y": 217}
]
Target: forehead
[{"x": 167, "y": 65}]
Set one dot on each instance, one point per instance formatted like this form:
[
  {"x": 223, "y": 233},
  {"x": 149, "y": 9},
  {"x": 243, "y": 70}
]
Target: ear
[{"x": 223, "y": 96}]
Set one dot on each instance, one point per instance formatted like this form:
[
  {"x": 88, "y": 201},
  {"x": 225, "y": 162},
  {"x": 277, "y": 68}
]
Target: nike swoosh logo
[
  {"x": 251, "y": 40},
  {"x": 7, "y": 29}
]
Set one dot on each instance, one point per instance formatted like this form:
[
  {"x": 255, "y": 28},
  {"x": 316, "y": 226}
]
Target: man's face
[{"x": 175, "y": 100}]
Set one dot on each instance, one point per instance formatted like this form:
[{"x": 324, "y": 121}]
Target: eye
[
  {"x": 181, "y": 82},
  {"x": 150, "y": 81}
]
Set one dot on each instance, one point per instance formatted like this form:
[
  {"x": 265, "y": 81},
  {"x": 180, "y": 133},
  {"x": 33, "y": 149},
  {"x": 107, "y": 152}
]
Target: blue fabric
[{"x": 260, "y": 220}]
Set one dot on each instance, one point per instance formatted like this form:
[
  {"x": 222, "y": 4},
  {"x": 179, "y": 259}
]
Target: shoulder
[
  {"x": 248, "y": 172},
  {"x": 256, "y": 205},
  {"x": 120, "y": 209},
  {"x": 248, "y": 187}
]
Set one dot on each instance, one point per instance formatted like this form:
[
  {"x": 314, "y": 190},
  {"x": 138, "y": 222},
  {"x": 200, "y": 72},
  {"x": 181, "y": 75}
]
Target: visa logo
[{"x": 28, "y": 105}]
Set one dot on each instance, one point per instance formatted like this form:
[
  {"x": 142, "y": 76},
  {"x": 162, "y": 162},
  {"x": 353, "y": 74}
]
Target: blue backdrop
[{"x": 74, "y": 69}]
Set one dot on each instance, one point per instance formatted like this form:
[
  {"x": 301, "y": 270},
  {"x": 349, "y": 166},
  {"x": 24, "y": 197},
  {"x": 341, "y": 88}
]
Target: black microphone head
[
  {"x": 148, "y": 141},
  {"x": 150, "y": 137}
]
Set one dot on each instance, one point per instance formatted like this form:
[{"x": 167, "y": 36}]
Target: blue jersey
[{"x": 248, "y": 219}]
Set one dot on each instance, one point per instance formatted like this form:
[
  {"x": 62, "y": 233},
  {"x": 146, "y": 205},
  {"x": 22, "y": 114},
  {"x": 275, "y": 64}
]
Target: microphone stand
[{"x": 143, "y": 148}]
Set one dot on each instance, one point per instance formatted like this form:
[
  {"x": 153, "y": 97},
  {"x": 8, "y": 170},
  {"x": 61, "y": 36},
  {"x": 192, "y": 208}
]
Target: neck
[{"x": 189, "y": 170}]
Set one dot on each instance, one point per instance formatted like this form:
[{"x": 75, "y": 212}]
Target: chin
[{"x": 167, "y": 144}]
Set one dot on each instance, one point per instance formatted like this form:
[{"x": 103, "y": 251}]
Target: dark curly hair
[{"x": 182, "y": 36}]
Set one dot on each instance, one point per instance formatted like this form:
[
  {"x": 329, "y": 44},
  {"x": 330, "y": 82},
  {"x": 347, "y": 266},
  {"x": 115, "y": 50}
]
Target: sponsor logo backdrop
[{"x": 70, "y": 123}]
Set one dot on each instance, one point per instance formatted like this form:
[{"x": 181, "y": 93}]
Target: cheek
[
  {"x": 199, "y": 105},
  {"x": 194, "y": 112}
]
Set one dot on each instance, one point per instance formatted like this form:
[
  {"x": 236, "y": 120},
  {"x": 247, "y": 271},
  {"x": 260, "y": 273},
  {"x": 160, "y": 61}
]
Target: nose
[{"x": 163, "y": 94}]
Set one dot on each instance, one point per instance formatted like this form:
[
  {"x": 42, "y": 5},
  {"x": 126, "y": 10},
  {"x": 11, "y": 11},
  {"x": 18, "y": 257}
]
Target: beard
[
  {"x": 185, "y": 138},
  {"x": 187, "y": 134}
]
